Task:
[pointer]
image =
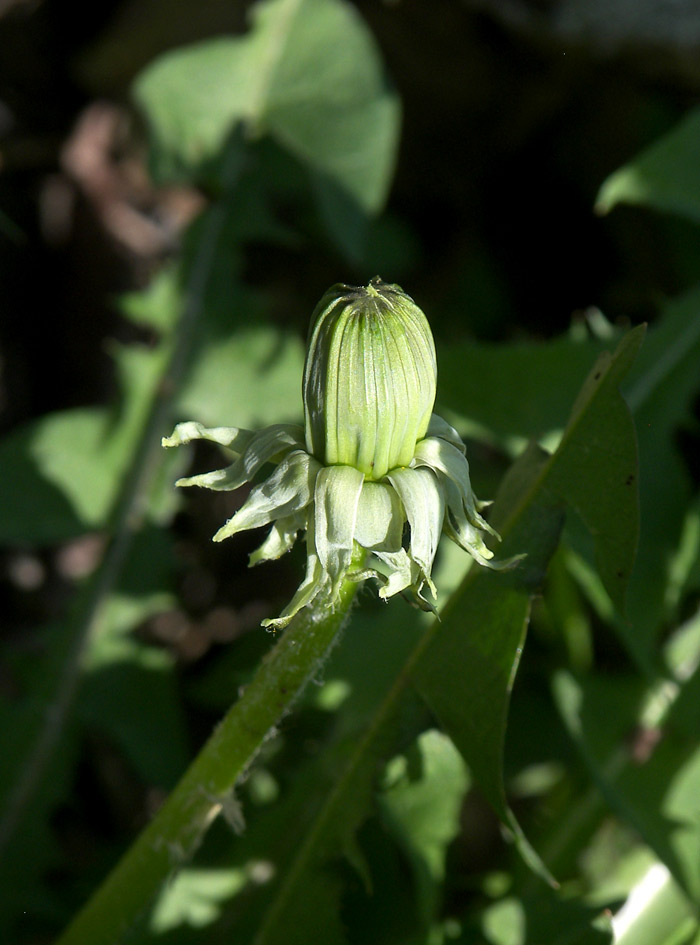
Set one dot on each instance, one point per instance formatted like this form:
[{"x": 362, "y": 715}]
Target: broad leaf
[
  {"x": 194, "y": 898},
  {"x": 660, "y": 392},
  {"x": 467, "y": 667},
  {"x": 656, "y": 913},
  {"x": 509, "y": 394},
  {"x": 56, "y": 478},
  {"x": 421, "y": 806},
  {"x": 240, "y": 370},
  {"x": 60, "y": 475},
  {"x": 306, "y": 902},
  {"x": 308, "y": 74},
  {"x": 653, "y": 782},
  {"x": 128, "y": 690},
  {"x": 251, "y": 376},
  {"x": 665, "y": 176},
  {"x": 655, "y": 792},
  {"x": 158, "y": 305},
  {"x": 545, "y": 917},
  {"x": 596, "y": 468}
]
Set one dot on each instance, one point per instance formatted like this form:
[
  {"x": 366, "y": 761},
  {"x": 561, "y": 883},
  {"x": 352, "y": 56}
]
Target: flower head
[
  {"x": 369, "y": 378},
  {"x": 370, "y": 459}
]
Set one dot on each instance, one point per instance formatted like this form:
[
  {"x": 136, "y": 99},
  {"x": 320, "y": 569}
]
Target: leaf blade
[
  {"x": 664, "y": 176},
  {"x": 309, "y": 74},
  {"x": 496, "y": 607}
]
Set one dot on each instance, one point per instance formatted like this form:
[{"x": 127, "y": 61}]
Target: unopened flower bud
[
  {"x": 370, "y": 460},
  {"x": 369, "y": 378}
]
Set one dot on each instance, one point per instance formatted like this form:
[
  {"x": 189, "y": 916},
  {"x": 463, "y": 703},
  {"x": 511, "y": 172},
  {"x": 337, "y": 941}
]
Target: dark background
[{"x": 510, "y": 126}]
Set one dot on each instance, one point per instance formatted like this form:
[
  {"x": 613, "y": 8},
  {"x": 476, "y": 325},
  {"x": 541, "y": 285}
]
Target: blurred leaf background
[{"x": 179, "y": 183}]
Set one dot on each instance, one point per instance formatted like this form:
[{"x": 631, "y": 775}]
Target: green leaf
[
  {"x": 306, "y": 902},
  {"x": 60, "y": 474},
  {"x": 656, "y": 913},
  {"x": 309, "y": 75},
  {"x": 483, "y": 626},
  {"x": 250, "y": 376},
  {"x": 529, "y": 388},
  {"x": 660, "y": 391},
  {"x": 132, "y": 700},
  {"x": 157, "y": 306},
  {"x": 597, "y": 470},
  {"x": 194, "y": 897},
  {"x": 682, "y": 651},
  {"x": 656, "y": 795},
  {"x": 545, "y": 917},
  {"x": 665, "y": 176},
  {"x": 466, "y": 668},
  {"x": 128, "y": 691},
  {"x": 55, "y": 478},
  {"x": 590, "y": 480},
  {"x": 240, "y": 370},
  {"x": 421, "y": 806}
]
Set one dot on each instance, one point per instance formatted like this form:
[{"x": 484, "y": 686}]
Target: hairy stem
[{"x": 179, "y": 826}]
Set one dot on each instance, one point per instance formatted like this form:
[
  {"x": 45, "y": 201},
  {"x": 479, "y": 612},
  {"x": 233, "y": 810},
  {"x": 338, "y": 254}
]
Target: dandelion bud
[
  {"x": 369, "y": 378},
  {"x": 371, "y": 459}
]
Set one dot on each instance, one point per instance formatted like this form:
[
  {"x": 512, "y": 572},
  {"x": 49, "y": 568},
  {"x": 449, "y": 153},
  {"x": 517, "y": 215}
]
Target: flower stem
[{"x": 177, "y": 829}]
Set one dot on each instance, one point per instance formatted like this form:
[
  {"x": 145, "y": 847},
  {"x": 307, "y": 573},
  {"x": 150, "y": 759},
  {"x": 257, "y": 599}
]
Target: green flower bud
[
  {"x": 369, "y": 378},
  {"x": 370, "y": 460}
]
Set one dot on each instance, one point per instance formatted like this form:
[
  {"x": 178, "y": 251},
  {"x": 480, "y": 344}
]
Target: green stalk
[{"x": 178, "y": 827}]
